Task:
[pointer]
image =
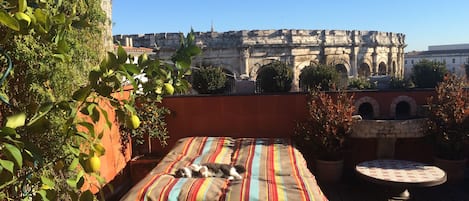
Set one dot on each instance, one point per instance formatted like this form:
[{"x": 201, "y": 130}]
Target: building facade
[
  {"x": 353, "y": 53},
  {"x": 454, "y": 56}
]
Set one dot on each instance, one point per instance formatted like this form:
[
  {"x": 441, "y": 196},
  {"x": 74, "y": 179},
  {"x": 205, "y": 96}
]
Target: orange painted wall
[
  {"x": 253, "y": 115},
  {"x": 115, "y": 158}
]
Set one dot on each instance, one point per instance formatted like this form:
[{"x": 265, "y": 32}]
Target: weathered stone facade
[
  {"x": 355, "y": 53},
  {"x": 106, "y": 5}
]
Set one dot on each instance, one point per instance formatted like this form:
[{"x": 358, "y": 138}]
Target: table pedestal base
[{"x": 399, "y": 194}]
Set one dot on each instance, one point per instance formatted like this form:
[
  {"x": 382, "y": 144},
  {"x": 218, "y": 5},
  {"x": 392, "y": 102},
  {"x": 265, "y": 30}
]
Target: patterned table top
[{"x": 403, "y": 173}]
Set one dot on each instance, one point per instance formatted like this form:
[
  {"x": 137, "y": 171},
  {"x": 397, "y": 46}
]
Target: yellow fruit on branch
[
  {"x": 133, "y": 122},
  {"x": 94, "y": 163},
  {"x": 169, "y": 88}
]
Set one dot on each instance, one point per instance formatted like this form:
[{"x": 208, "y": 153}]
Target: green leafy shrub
[
  {"x": 209, "y": 80},
  {"x": 328, "y": 125},
  {"x": 274, "y": 77},
  {"x": 153, "y": 125},
  {"x": 49, "y": 145},
  {"x": 399, "y": 83},
  {"x": 360, "y": 83},
  {"x": 323, "y": 76},
  {"x": 427, "y": 74}
]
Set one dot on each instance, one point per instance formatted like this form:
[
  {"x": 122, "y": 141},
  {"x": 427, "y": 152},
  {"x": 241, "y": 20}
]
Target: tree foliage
[
  {"x": 209, "y": 80},
  {"x": 427, "y": 74},
  {"x": 275, "y": 77},
  {"x": 360, "y": 84},
  {"x": 328, "y": 125},
  {"x": 448, "y": 120},
  {"x": 323, "y": 76},
  {"x": 41, "y": 37}
]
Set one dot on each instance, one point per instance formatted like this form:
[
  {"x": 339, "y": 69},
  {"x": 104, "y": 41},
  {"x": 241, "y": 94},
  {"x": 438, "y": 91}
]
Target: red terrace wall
[{"x": 253, "y": 115}]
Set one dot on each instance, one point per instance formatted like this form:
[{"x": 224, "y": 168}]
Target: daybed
[{"x": 275, "y": 170}]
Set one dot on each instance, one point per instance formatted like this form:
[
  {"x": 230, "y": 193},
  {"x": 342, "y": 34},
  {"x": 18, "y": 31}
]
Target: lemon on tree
[
  {"x": 133, "y": 121},
  {"x": 169, "y": 88},
  {"x": 94, "y": 163}
]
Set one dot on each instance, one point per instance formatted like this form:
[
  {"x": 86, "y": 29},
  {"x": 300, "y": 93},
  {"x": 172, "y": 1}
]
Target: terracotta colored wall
[
  {"x": 236, "y": 116},
  {"x": 115, "y": 158},
  {"x": 253, "y": 115}
]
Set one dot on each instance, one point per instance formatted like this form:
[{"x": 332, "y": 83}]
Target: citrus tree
[{"x": 25, "y": 172}]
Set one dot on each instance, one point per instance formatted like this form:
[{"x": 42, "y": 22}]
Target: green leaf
[
  {"x": 87, "y": 125},
  {"x": 82, "y": 93},
  {"x": 104, "y": 90},
  {"x": 106, "y": 117},
  {"x": 48, "y": 181},
  {"x": 16, "y": 120},
  {"x": 130, "y": 108},
  {"x": 60, "y": 57},
  {"x": 4, "y": 97},
  {"x": 59, "y": 19},
  {"x": 86, "y": 196},
  {"x": 63, "y": 46},
  {"x": 40, "y": 113},
  {"x": 23, "y": 17},
  {"x": 74, "y": 164},
  {"x": 41, "y": 17},
  {"x": 13, "y": 153},
  {"x": 121, "y": 55},
  {"x": 22, "y": 5},
  {"x": 8, "y": 165},
  {"x": 9, "y": 21},
  {"x": 193, "y": 50},
  {"x": 132, "y": 68}
]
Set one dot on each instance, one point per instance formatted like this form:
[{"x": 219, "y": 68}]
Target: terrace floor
[{"x": 353, "y": 188}]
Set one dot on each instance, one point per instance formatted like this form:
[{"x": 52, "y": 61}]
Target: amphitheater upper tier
[{"x": 354, "y": 53}]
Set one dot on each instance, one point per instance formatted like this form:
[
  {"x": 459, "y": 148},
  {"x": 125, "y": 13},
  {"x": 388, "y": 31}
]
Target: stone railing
[
  {"x": 410, "y": 128},
  {"x": 387, "y": 132}
]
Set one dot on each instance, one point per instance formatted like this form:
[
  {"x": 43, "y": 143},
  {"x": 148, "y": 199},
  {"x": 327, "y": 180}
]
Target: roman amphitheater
[{"x": 353, "y": 53}]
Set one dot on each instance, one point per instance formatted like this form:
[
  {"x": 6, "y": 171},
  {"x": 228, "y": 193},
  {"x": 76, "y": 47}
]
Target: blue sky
[{"x": 425, "y": 22}]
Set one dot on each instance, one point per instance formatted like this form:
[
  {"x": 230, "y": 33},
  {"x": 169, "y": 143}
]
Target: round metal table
[{"x": 401, "y": 174}]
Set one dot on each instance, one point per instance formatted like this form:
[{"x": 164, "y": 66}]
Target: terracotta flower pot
[
  {"x": 454, "y": 169},
  {"x": 329, "y": 171}
]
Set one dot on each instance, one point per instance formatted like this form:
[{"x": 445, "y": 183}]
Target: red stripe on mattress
[
  {"x": 273, "y": 194},
  {"x": 246, "y": 182},
  {"x": 167, "y": 188},
  {"x": 221, "y": 143},
  {"x": 296, "y": 171},
  {"x": 194, "y": 188}
]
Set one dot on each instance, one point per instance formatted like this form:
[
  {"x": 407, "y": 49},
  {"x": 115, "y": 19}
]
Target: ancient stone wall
[{"x": 357, "y": 53}]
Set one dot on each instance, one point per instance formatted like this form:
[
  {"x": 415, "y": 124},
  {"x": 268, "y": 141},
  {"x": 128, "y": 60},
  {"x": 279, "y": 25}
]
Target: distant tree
[
  {"x": 314, "y": 76},
  {"x": 209, "y": 80},
  {"x": 275, "y": 77},
  {"x": 427, "y": 74}
]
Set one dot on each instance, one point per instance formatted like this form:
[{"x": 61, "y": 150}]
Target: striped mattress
[{"x": 275, "y": 170}]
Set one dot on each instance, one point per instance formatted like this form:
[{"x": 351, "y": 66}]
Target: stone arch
[
  {"x": 382, "y": 68},
  {"x": 366, "y": 99},
  {"x": 364, "y": 70},
  {"x": 398, "y": 100},
  {"x": 341, "y": 62},
  {"x": 394, "y": 68}
]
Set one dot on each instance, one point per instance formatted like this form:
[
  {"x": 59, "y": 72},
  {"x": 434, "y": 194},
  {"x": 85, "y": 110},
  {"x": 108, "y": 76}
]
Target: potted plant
[
  {"x": 325, "y": 131},
  {"x": 448, "y": 126}
]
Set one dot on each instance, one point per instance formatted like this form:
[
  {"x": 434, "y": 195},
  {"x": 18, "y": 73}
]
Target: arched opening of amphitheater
[
  {"x": 382, "y": 68},
  {"x": 364, "y": 70}
]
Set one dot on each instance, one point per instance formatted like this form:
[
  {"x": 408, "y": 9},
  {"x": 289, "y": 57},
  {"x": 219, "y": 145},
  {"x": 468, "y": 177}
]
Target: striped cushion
[{"x": 275, "y": 171}]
